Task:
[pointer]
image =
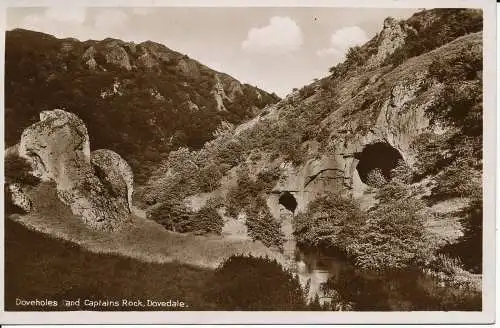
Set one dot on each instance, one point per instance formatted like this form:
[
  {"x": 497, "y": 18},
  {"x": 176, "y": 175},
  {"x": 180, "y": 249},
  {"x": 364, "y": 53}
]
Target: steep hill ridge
[{"x": 140, "y": 100}]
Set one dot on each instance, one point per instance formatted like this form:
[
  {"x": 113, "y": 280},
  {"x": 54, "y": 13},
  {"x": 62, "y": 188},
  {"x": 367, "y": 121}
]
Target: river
[{"x": 336, "y": 281}]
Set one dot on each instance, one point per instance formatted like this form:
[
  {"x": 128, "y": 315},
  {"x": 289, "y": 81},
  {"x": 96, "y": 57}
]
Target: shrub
[
  {"x": 375, "y": 178},
  {"x": 469, "y": 247},
  {"x": 262, "y": 225},
  {"x": 326, "y": 222},
  {"x": 255, "y": 284},
  {"x": 173, "y": 215},
  {"x": 306, "y": 91},
  {"x": 444, "y": 263},
  {"x": 209, "y": 177},
  {"x": 392, "y": 237},
  {"x": 465, "y": 66},
  {"x": 207, "y": 220}
]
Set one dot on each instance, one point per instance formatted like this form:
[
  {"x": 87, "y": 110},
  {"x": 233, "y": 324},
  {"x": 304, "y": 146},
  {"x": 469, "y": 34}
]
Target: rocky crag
[{"x": 97, "y": 185}]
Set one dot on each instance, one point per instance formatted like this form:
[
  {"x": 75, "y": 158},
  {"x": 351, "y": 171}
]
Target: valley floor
[{"x": 140, "y": 239}]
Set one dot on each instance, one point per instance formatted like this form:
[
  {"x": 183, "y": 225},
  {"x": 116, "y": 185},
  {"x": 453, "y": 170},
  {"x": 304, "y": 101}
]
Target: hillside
[
  {"x": 381, "y": 142},
  {"x": 140, "y": 100}
]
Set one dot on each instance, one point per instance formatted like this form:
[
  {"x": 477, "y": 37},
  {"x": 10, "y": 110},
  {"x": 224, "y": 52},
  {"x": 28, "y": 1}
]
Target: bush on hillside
[
  {"x": 326, "y": 222},
  {"x": 174, "y": 215},
  {"x": 207, "y": 220},
  {"x": 392, "y": 237},
  {"x": 247, "y": 196},
  {"x": 375, "y": 178},
  {"x": 248, "y": 283},
  {"x": 263, "y": 226}
]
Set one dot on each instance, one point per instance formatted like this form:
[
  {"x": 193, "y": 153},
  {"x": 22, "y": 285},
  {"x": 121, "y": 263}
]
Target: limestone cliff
[
  {"x": 97, "y": 187},
  {"x": 331, "y": 135}
]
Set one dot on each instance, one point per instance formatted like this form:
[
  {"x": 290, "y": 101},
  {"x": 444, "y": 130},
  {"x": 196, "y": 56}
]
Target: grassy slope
[
  {"x": 38, "y": 266},
  {"x": 142, "y": 239}
]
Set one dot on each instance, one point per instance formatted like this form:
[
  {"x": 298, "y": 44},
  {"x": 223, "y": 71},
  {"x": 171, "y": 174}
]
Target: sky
[{"x": 274, "y": 48}]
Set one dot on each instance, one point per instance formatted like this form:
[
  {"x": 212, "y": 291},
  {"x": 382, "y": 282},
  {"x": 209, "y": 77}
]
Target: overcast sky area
[{"x": 275, "y": 49}]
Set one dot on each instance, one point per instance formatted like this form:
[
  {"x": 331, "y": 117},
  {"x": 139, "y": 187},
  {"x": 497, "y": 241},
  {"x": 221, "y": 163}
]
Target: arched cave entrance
[
  {"x": 288, "y": 201},
  {"x": 380, "y": 156}
]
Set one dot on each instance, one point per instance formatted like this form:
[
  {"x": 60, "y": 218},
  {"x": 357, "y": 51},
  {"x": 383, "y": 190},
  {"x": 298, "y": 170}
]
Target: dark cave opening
[
  {"x": 380, "y": 156},
  {"x": 288, "y": 201}
]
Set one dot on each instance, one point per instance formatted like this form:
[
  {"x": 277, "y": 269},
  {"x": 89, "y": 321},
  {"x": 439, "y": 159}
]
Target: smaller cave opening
[
  {"x": 379, "y": 158},
  {"x": 288, "y": 201}
]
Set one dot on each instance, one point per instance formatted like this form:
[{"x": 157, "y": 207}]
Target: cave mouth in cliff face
[
  {"x": 288, "y": 201},
  {"x": 374, "y": 156}
]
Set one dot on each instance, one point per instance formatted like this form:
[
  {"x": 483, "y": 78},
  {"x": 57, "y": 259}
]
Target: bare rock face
[
  {"x": 188, "y": 67},
  {"x": 391, "y": 37},
  {"x": 19, "y": 197},
  {"x": 115, "y": 173},
  {"x": 353, "y": 152},
  {"x": 88, "y": 58},
  {"x": 117, "y": 55},
  {"x": 219, "y": 94},
  {"x": 58, "y": 148}
]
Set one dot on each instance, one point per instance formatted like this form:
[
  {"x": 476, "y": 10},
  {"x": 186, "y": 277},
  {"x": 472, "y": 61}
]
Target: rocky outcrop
[
  {"x": 219, "y": 94},
  {"x": 390, "y": 38},
  {"x": 88, "y": 58},
  {"x": 58, "y": 148},
  {"x": 19, "y": 197},
  {"x": 115, "y": 173},
  {"x": 188, "y": 67},
  {"x": 117, "y": 55}
]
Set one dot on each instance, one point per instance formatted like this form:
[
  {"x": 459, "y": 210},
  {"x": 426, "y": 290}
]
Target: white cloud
[
  {"x": 341, "y": 40},
  {"x": 56, "y": 20},
  {"x": 67, "y": 14},
  {"x": 142, "y": 11},
  {"x": 75, "y": 22},
  {"x": 281, "y": 36},
  {"x": 110, "y": 19}
]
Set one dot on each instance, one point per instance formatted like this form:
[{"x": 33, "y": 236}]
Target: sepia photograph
[{"x": 319, "y": 160}]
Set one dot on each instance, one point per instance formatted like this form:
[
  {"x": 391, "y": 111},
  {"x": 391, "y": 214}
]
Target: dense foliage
[
  {"x": 399, "y": 290},
  {"x": 175, "y": 216},
  {"x": 141, "y": 113},
  {"x": 252, "y": 284},
  {"x": 389, "y": 236},
  {"x": 248, "y": 197},
  {"x": 457, "y": 153}
]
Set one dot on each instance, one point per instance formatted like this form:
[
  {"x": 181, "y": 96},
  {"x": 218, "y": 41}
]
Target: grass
[
  {"x": 141, "y": 239},
  {"x": 39, "y": 266}
]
